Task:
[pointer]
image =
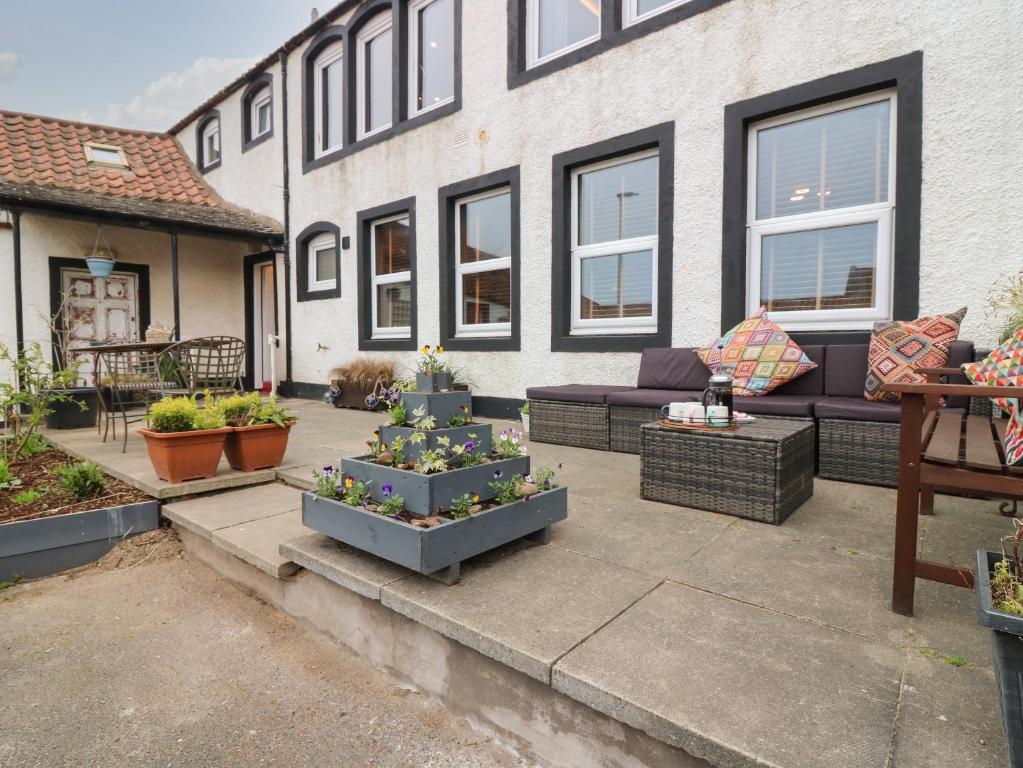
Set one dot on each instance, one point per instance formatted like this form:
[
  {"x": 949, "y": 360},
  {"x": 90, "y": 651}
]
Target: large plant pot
[
  {"x": 1007, "y": 642},
  {"x": 180, "y": 456},
  {"x": 260, "y": 446},
  {"x": 429, "y": 550},
  {"x": 70, "y": 414},
  {"x": 433, "y": 382},
  {"x": 354, "y": 396}
]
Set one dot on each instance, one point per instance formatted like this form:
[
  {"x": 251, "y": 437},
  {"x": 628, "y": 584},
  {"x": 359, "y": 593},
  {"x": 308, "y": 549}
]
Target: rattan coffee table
[{"x": 761, "y": 471}]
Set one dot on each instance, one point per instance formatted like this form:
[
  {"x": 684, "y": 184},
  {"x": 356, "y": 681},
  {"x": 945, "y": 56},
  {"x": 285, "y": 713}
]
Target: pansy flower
[
  {"x": 440, "y": 350},
  {"x": 349, "y": 482},
  {"x": 498, "y": 474},
  {"x": 371, "y": 401},
  {"x": 387, "y": 490},
  {"x": 465, "y": 409},
  {"x": 475, "y": 498},
  {"x": 426, "y": 349},
  {"x": 470, "y": 446}
]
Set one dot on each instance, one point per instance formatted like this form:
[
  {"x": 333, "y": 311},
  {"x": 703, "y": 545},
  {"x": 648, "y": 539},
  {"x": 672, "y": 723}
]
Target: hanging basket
[{"x": 99, "y": 267}]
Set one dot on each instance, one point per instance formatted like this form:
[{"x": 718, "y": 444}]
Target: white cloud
[
  {"x": 165, "y": 101},
  {"x": 8, "y": 65}
]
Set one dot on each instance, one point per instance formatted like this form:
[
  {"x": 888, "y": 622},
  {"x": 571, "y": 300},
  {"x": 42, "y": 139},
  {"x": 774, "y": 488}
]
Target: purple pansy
[
  {"x": 498, "y": 474},
  {"x": 470, "y": 446},
  {"x": 387, "y": 490}
]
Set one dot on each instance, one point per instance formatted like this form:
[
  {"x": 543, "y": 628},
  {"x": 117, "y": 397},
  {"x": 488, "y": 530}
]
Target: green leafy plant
[
  {"x": 433, "y": 459},
  {"x": 509, "y": 444},
  {"x": 462, "y": 506},
  {"x": 398, "y": 450},
  {"x": 505, "y": 491},
  {"x": 421, "y": 421},
  {"x": 35, "y": 444},
  {"x": 326, "y": 481},
  {"x": 542, "y": 478},
  {"x": 27, "y": 396},
  {"x": 468, "y": 454},
  {"x": 8, "y": 481},
  {"x": 245, "y": 410},
  {"x": 354, "y": 492},
  {"x": 458, "y": 375},
  {"x": 83, "y": 480},
  {"x": 392, "y": 505},
  {"x": 182, "y": 414},
  {"x": 28, "y": 496},
  {"x": 524, "y": 409},
  {"x": 429, "y": 362},
  {"x": 461, "y": 419},
  {"x": 397, "y": 415}
]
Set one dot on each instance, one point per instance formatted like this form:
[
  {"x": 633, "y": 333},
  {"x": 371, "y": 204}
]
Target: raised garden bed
[
  {"x": 479, "y": 434},
  {"x": 45, "y": 529}
]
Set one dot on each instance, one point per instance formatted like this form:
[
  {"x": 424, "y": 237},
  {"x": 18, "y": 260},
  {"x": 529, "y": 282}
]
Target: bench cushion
[
  {"x": 857, "y": 409},
  {"x": 811, "y": 382},
  {"x": 778, "y": 405},
  {"x": 845, "y": 370},
  {"x": 672, "y": 368},
  {"x": 653, "y": 398},
  {"x": 575, "y": 393}
]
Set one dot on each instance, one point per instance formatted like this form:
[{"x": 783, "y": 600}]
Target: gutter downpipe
[
  {"x": 283, "y": 58},
  {"x": 19, "y": 323}
]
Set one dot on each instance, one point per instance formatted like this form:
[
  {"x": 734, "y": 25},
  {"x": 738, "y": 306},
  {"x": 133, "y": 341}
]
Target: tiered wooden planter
[
  {"x": 437, "y": 551},
  {"x": 480, "y": 434}
]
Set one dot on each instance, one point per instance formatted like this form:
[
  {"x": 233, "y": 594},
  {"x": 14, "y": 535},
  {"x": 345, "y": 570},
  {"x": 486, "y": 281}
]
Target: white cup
[
  {"x": 693, "y": 413},
  {"x": 717, "y": 415},
  {"x": 674, "y": 411}
]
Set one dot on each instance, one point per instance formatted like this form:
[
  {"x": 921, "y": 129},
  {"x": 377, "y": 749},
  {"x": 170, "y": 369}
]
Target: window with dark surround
[
  {"x": 545, "y": 36},
  {"x": 387, "y": 276},
  {"x": 425, "y": 77},
  {"x": 612, "y": 234},
  {"x": 319, "y": 262},
  {"x": 866, "y": 217},
  {"x": 257, "y": 111},
  {"x": 479, "y": 263},
  {"x": 207, "y": 141}
]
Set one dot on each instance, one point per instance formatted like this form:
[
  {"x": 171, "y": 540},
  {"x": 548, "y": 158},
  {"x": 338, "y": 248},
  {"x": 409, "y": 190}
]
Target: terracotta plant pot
[
  {"x": 181, "y": 456},
  {"x": 260, "y": 446}
]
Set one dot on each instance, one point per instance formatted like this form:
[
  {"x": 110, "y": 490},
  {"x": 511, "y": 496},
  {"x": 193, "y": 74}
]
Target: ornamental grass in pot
[
  {"x": 184, "y": 441},
  {"x": 259, "y": 431}
]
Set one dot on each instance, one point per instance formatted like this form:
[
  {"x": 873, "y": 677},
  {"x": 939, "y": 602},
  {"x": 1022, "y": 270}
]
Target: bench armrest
[{"x": 954, "y": 390}]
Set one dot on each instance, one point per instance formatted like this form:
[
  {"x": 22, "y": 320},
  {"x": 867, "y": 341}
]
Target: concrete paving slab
[
  {"x": 945, "y": 718},
  {"x": 738, "y": 685},
  {"x": 524, "y": 606},
  {"x": 344, "y": 565},
  {"x": 258, "y": 542},
  {"x": 954, "y": 534},
  {"x": 300, "y": 477},
  {"x": 205, "y": 514}
]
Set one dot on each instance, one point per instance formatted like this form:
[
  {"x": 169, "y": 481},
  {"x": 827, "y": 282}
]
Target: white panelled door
[{"x": 99, "y": 309}]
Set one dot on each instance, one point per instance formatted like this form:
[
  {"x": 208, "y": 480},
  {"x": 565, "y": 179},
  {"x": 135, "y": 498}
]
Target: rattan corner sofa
[{"x": 857, "y": 440}]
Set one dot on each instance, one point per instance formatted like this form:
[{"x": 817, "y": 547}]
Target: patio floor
[{"x": 742, "y": 643}]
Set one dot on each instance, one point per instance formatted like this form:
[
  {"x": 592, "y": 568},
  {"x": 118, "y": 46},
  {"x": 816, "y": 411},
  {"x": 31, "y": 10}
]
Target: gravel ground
[{"x": 150, "y": 659}]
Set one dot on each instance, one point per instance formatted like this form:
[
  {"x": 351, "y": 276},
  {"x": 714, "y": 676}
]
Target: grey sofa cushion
[
  {"x": 857, "y": 409},
  {"x": 672, "y": 368},
  {"x": 846, "y": 370},
  {"x": 653, "y": 398},
  {"x": 575, "y": 393},
  {"x": 778, "y": 405}
]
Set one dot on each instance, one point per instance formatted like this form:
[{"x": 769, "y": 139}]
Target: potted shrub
[
  {"x": 353, "y": 382},
  {"x": 184, "y": 441},
  {"x": 999, "y": 587},
  {"x": 259, "y": 431},
  {"x": 431, "y": 374},
  {"x": 524, "y": 413}
]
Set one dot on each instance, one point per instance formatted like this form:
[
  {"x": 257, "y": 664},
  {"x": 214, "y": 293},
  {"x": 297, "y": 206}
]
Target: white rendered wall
[{"x": 686, "y": 73}]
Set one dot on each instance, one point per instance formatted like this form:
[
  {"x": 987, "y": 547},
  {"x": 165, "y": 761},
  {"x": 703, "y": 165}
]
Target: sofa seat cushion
[
  {"x": 672, "y": 368},
  {"x": 653, "y": 398},
  {"x": 575, "y": 393},
  {"x": 857, "y": 409},
  {"x": 778, "y": 405}
]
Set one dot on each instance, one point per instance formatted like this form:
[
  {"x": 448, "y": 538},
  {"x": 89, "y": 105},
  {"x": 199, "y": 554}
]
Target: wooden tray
[{"x": 697, "y": 427}]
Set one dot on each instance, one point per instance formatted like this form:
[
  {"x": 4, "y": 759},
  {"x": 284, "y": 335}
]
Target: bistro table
[{"x": 763, "y": 470}]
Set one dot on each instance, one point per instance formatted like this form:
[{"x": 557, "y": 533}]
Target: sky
[{"x": 134, "y": 63}]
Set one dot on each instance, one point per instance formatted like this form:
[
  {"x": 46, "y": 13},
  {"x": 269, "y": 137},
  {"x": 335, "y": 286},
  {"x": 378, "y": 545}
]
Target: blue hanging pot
[{"x": 100, "y": 267}]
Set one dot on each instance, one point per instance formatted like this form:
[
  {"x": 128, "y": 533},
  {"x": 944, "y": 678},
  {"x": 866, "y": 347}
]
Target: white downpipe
[{"x": 271, "y": 342}]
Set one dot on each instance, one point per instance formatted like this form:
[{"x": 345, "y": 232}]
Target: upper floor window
[
  {"x": 374, "y": 76},
  {"x": 207, "y": 144},
  {"x": 819, "y": 214},
  {"x": 483, "y": 264},
  {"x": 257, "y": 111},
  {"x": 640, "y": 10},
  {"x": 390, "y": 260},
  {"x": 431, "y": 54},
  {"x": 328, "y": 88},
  {"x": 614, "y": 246},
  {"x": 261, "y": 114},
  {"x": 555, "y": 27}
]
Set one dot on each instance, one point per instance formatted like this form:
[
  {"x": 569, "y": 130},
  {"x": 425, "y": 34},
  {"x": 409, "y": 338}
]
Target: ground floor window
[
  {"x": 483, "y": 284},
  {"x": 387, "y": 276}
]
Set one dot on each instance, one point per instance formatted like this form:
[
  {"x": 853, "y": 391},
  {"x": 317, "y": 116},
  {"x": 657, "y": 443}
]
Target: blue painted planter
[{"x": 100, "y": 267}]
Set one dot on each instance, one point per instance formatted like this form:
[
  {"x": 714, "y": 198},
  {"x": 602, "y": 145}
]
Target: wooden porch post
[{"x": 174, "y": 284}]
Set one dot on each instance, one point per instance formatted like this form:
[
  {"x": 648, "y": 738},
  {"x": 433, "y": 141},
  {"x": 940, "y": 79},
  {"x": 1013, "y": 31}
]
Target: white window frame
[
  {"x": 533, "y": 58},
  {"x": 880, "y": 213},
  {"x": 90, "y": 154},
  {"x": 321, "y": 242},
  {"x": 332, "y": 53},
  {"x": 479, "y": 330},
  {"x": 631, "y": 14},
  {"x": 211, "y": 131},
  {"x": 396, "y": 332},
  {"x": 372, "y": 30},
  {"x": 414, "y": 9},
  {"x": 612, "y": 325},
  {"x": 263, "y": 97}
]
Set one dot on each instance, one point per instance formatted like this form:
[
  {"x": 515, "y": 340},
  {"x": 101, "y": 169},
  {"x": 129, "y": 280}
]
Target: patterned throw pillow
[
  {"x": 899, "y": 347},
  {"x": 1014, "y": 435},
  {"x": 761, "y": 355},
  {"x": 1002, "y": 367}
]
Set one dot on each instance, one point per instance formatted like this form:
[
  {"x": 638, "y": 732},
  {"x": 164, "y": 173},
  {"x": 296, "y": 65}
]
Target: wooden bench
[{"x": 945, "y": 450}]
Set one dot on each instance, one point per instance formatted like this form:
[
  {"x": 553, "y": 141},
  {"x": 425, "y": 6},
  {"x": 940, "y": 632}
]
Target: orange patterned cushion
[
  {"x": 1003, "y": 367},
  {"x": 899, "y": 347},
  {"x": 760, "y": 355}
]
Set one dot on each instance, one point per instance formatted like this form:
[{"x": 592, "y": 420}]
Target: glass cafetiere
[{"x": 719, "y": 392}]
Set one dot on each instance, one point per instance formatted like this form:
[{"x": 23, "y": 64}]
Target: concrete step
[{"x": 250, "y": 523}]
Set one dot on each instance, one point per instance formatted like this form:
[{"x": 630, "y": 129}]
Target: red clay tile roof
[{"x": 42, "y": 161}]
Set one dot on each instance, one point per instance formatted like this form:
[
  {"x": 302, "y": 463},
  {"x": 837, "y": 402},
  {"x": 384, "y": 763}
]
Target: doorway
[{"x": 260, "y": 319}]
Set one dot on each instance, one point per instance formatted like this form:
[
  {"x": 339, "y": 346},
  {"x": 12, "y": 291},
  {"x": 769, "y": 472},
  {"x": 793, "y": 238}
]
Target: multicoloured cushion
[
  {"x": 759, "y": 354},
  {"x": 1003, "y": 367},
  {"x": 1014, "y": 435},
  {"x": 899, "y": 347}
]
